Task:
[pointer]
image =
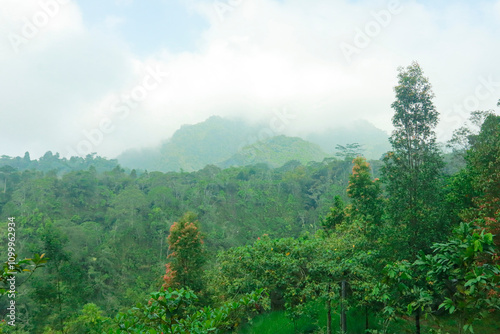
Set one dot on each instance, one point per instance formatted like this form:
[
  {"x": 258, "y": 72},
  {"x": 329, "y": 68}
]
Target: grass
[
  {"x": 277, "y": 322},
  {"x": 315, "y": 322}
]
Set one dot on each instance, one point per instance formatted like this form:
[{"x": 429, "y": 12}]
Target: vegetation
[
  {"x": 275, "y": 152},
  {"x": 412, "y": 169},
  {"x": 235, "y": 143},
  {"x": 407, "y": 244}
]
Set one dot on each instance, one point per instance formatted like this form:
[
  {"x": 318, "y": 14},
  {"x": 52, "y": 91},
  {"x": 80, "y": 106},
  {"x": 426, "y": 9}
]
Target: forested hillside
[
  {"x": 105, "y": 231},
  {"x": 275, "y": 152},
  {"x": 234, "y": 142},
  {"x": 192, "y": 147},
  {"x": 50, "y": 162},
  {"x": 405, "y": 244}
]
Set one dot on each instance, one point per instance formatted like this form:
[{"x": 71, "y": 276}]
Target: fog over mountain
[
  {"x": 85, "y": 76},
  {"x": 258, "y": 166},
  {"x": 234, "y": 142}
]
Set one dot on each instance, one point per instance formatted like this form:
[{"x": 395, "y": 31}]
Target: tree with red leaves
[{"x": 186, "y": 255}]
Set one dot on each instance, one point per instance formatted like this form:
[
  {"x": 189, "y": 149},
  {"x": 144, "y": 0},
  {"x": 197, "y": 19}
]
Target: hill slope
[
  {"x": 192, "y": 147},
  {"x": 276, "y": 152},
  {"x": 227, "y": 142}
]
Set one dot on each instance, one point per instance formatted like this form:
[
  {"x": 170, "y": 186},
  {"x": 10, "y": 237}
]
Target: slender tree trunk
[
  {"x": 460, "y": 324},
  {"x": 161, "y": 245},
  {"x": 367, "y": 321},
  {"x": 343, "y": 322},
  {"x": 59, "y": 300},
  {"x": 328, "y": 318},
  {"x": 417, "y": 322},
  {"x": 328, "y": 313}
]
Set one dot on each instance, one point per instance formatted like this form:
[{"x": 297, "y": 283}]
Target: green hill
[
  {"x": 231, "y": 142},
  {"x": 276, "y": 152},
  {"x": 192, "y": 147}
]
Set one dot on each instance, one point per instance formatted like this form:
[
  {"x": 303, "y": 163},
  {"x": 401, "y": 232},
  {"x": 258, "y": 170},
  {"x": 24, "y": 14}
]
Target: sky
[{"x": 84, "y": 76}]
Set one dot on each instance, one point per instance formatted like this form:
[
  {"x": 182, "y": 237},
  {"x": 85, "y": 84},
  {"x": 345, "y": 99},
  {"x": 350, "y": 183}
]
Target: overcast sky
[{"x": 81, "y": 76}]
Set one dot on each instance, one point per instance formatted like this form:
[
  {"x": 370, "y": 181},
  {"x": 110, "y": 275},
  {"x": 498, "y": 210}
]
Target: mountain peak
[{"x": 232, "y": 142}]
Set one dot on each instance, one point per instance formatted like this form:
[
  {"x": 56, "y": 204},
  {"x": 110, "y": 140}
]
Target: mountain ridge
[{"x": 233, "y": 142}]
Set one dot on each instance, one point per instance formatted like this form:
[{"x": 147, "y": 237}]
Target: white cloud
[
  {"x": 262, "y": 56},
  {"x": 49, "y": 84},
  {"x": 112, "y": 21}
]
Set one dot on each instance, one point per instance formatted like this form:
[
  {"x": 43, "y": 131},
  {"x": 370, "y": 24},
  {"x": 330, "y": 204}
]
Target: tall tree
[
  {"x": 349, "y": 152},
  {"x": 186, "y": 254},
  {"x": 412, "y": 170}
]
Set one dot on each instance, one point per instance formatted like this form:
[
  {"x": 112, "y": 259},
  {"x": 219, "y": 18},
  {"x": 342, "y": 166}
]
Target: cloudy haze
[{"x": 103, "y": 76}]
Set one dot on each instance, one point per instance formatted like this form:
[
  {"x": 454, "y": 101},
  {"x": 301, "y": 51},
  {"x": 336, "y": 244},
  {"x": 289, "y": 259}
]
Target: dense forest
[{"x": 405, "y": 244}]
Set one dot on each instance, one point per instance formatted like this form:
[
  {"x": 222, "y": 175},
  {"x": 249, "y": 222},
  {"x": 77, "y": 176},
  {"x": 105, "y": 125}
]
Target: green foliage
[
  {"x": 336, "y": 215},
  {"x": 193, "y": 147},
  {"x": 464, "y": 136},
  {"x": 10, "y": 270},
  {"x": 281, "y": 266},
  {"x": 171, "y": 311},
  {"x": 105, "y": 232},
  {"x": 276, "y": 152},
  {"x": 457, "y": 277},
  {"x": 483, "y": 160},
  {"x": 186, "y": 254},
  {"x": 106, "y": 235},
  {"x": 412, "y": 170},
  {"x": 296, "y": 271},
  {"x": 462, "y": 273},
  {"x": 90, "y": 321},
  {"x": 365, "y": 193},
  {"x": 278, "y": 322},
  {"x": 349, "y": 151},
  {"x": 53, "y": 162},
  {"x": 474, "y": 192},
  {"x": 403, "y": 291},
  {"x": 228, "y": 142}
]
